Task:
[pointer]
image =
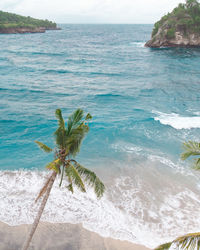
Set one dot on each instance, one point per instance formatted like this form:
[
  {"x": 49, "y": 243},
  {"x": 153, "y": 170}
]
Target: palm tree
[
  {"x": 68, "y": 141},
  {"x": 192, "y": 240}
]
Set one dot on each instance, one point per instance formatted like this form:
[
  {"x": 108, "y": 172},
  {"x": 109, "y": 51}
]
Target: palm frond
[
  {"x": 60, "y": 136},
  {"x": 191, "y": 149},
  {"x": 70, "y": 188},
  {"x": 60, "y": 133},
  {"x": 189, "y": 241},
  {"x": 76, "y": 137},
  {"x": 73, "y": 174},
  {"x": 91, "y": 178},
  {"x": 61, "y": 122},
  {"x": 44, "y": 147},
  {"x": 74, "y": 120},
  {"x": 88, "y": 117},
  {"x": 197, "y": 164},
  {"x": 164, "y": 246},
  {"x": 54, "y": 165}
]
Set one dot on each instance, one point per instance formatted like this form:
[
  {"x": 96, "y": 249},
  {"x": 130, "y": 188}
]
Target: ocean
[{"x": 145, "y": 104}]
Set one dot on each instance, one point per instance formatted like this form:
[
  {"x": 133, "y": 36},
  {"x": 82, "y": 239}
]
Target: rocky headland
[
  {"x": 13, "y": 24},
  {"x": 180, "y": 28}
]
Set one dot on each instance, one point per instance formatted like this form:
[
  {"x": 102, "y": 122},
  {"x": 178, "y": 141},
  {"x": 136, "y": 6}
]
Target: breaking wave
[
  {"x": 178, "y": 122},
  {"x": 142, "y": 206}
]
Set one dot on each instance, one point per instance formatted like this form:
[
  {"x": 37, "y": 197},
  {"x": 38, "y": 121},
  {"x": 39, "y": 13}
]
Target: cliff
[
  {"x": 12, "y": 24},
  {"x": 180, "y": 28}
]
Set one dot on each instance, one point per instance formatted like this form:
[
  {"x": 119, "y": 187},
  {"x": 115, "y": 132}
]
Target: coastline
[
  {"x": 60, "y": 236},
  {"x": 25, "y": 30}
]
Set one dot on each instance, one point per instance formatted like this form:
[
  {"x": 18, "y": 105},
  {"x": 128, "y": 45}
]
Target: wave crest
[{"x": 178, "y": 122}]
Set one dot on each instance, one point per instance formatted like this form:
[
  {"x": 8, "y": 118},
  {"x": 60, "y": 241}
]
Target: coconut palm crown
[{"x": 68, "y": 140}]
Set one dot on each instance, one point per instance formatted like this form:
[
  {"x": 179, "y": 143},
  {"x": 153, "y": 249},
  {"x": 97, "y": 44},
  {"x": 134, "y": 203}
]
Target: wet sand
[{"x": 60, "y": 236}]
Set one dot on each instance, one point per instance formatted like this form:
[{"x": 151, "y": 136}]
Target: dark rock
[
  {"x": 22, "y": 30},
  {"x": 25, "y": 30}
]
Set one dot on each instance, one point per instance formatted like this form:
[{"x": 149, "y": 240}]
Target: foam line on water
[
  {"x": 138, "y": 44},
  {"x": 141, "y": 207},
  {"x": 178, "y": 122}
]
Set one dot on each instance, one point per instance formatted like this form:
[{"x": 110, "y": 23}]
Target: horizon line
[{"x": 108, "y": 23}]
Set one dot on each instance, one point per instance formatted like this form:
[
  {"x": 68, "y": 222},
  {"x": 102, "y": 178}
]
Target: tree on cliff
[
  {"x": 68, "y": 141},
  {"x": 192, "y": 240},
  {"x": 191, "y": 3}
]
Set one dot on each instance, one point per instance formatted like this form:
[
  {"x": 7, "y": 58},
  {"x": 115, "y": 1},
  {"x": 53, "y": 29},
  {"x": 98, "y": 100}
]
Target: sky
[{"x": 92, "y": 11}]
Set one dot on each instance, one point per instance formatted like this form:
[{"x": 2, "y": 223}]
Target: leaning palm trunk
[{"x": 42, "y": 206}]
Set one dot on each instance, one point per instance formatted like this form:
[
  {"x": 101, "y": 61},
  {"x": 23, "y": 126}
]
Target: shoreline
[
  {"x": 60, "y": 236},
  {"x": 26, "y": 30}
]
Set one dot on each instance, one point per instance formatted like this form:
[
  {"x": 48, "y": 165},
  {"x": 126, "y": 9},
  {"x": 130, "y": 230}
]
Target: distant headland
[
  {"x": 13, "y": 24},
  {"x": 180, "y": 28}
]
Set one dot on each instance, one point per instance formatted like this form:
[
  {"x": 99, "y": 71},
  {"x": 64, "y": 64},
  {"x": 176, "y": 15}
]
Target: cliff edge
[{"x": 180, "y": 28}]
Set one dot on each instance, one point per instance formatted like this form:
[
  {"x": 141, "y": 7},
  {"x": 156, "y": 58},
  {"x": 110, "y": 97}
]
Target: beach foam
[
  {"x": 178, "y": 122},
  {"x": 147, "y": 210}
]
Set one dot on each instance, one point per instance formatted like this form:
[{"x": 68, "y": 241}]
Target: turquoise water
[{"x": 145, "y": 104}]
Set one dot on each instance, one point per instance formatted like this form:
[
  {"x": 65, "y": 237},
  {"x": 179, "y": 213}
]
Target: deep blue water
[
  {"x": 105, "y": 70},
  {"x": 144, "y": 102}
]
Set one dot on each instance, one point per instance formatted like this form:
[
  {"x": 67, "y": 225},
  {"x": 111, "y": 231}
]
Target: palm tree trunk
[{"x": 39, "y": 214}]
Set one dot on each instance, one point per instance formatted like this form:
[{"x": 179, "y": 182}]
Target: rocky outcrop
[
  {"x": 180, "y": 28},
  {"x": 22, "y": 30},
  {"x": 25, "y": 30},
  {"x": 180, "y": 39}
]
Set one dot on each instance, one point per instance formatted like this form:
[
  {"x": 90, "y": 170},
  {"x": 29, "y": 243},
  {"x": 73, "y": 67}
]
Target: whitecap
[
  {"x": 178, "y": 122},
  {"x": 138, "y": 44}
]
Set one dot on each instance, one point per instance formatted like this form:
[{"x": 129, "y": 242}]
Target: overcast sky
[{"x": 92, "y": 11}]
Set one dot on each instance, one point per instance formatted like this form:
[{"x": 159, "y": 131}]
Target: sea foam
[
  {"x": 148, "y": 210},
  {"x": 178, "y": 122}
]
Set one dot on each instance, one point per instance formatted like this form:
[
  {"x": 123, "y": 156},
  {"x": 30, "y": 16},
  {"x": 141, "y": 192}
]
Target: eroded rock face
[
  {"x": 22, "y": 30},
  {"x": 180, "y": 28},
  {"x": 180, "y": 39}
]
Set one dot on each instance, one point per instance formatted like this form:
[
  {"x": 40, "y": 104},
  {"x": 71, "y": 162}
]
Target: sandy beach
[{"x": 52, "y": 236}]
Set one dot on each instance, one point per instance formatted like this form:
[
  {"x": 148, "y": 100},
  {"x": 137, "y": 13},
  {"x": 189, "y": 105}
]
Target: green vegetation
[
  {"x": 192, "y": 149},
  {"x": 9, "y": 20},
  {"x": 68, "y": 141},
  {"x": 188, "y": 241},
  {"x": 170, "y": 33},
  {"x": 185, "y": 17},
  {"x": 192, "y": 240}
]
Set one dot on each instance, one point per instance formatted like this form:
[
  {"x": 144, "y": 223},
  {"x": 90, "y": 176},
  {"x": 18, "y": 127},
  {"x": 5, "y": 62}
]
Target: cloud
[{"x": 97, "y": 11}]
